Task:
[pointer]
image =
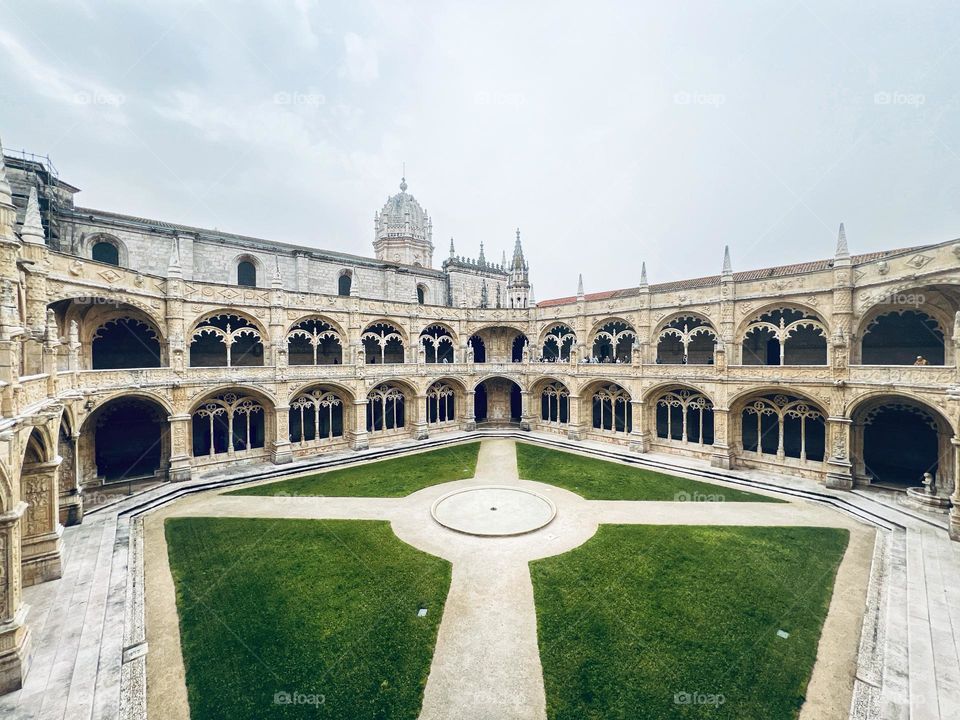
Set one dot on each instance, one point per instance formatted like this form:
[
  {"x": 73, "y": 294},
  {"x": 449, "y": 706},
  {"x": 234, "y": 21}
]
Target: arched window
[
  {"x": 784, "y": 426},
  {"x": 441, "y": 403},
  {"x": 106, "y": 252},
  {"x": 785, "y": 336},
  {"x": 687, "y": 339},
  {"x": 555, "y": 404},
  {"x": 421, "y": 294},
  {"x": 246, "y": 274},
  {"x": 557, "y": 344},
  {"x": 903, "y": 337},
  {"x": 226, "y": 340},
  {"x": 343, "y": 284},
  {"x": 316, "y": 417},
  {"x": 614, "y": 342},
  {"x": 314, "y": 342},
  {"x": 479, "y": 348},
  {"x": 437, "y": 343},
  {"x": 229, "y": 423},
  {"x": 385, "y": 408},
  {"x": 611, "y": 409},
  {"x": 382, "y": 343},
  {"x": 685, "y": 415},
  {"x": 125, "y": 343}
]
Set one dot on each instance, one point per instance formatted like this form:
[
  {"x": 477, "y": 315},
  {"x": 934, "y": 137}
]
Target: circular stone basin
[{"x": 493, "y": 511}]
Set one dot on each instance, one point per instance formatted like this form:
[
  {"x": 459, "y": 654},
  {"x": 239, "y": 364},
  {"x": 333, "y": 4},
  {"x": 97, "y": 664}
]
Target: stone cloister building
[{"x": 137, "y": 349}]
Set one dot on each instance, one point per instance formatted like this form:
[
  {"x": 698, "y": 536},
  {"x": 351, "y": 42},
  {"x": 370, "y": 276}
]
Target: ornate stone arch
[
  {"x": 782, "y": 323},
  {"x": 257, "y": 265},
  {"x": 89, "y": 242}
]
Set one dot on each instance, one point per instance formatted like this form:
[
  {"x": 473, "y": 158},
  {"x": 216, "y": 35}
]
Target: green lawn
[
  {"x": 323, "y": 610},
  {"x": 603, "y": 480},
  {"x": 640, "y": 615},
  {"x": 388, "y": 478}
]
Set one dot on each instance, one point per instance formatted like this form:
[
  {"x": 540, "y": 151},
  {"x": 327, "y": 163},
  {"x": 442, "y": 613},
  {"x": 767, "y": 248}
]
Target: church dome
[{"x": 402, "y": 216}]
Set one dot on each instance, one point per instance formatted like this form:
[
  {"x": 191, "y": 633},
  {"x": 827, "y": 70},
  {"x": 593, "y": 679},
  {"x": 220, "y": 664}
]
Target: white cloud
[{"x": 360, "y": 63}]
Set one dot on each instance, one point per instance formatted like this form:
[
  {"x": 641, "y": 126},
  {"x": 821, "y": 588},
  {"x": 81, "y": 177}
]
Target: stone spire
[
  {"x": 354, "y": 284},
  {"x": 580, "y": 295},
  {"x": 277, "y": 281},
  {"x": 518, "y": 262},
  {"x": 484, "y": 297},
  {"x": 643, "y": 276},
  {"x": 32, "y": 229},
  {"x": 727, "y": 271},
  {"x": 843, "y": 250},
  {"x": 452, "y": 251},
  {"x": 503, "y": 260},
  {"x": 481, "y": 260},
  {"x": 174, "y": 269}
]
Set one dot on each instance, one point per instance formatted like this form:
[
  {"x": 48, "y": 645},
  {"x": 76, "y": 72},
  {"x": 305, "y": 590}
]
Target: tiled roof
[{"x": 745, "y": 276}]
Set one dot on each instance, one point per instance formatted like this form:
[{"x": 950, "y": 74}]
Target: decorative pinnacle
[
  {"x": 32, "y": 229},
  {"x": 173, "y": 267},
  {"x": 451, "y": 248},
  {"x": 5, "y": 192},
  {"x": 643, "y": 275},
  {"x": 843, "y": 251},
  {"x": 727, "y": 267},
  {"x": 580, "y": 287}
]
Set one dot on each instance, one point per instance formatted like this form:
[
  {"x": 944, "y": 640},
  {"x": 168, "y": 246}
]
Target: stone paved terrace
[{"x": 909, "y": 663}]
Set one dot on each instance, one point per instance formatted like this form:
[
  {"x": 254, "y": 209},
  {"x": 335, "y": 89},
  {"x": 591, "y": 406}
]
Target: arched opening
[
  {"x": 421, "y": 294},
  {"x": 437, "y": 344},
  {"x": 785, "y": 336},
  {"x": 557, "y": 344},
  {"x": 686, "y": 340},
  {"x": 382, "y": 344},
  {"x": 783, "y": 426},
  {"x": 555, "y": 403},
  {"x": 907, "y": 337},
  {"x": 441, "y": 403},
  {"x": 106, "y": 252},
  {"x": 613, "y": 343},
  {"x": 314, "y": 342},
  {"x": 228, "y": 423},
  {"x": 70, "y": 509},
  {"x": 895, "y": 440},
  {"x": 125, "y": 342},
  {"x": 686, "y": 415},
  {"x": 386, "y": 408},
  {"x": 317, "y": 416},
  {"x": 344, "y": 283},
  {"x": 130, "y": 440},
  {"x": 246, "y": 274},
  {"x": 612, "y": 409},
  {"x": 517, "y": 347},
  {"x": 226, "y": 341},
  {"x": 498, "y": 401},
  {"x": 479, "y": 348}
]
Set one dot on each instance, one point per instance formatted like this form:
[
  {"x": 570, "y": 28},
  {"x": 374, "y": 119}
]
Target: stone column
[
  {"x": 526, "y": 419},
  {"x": 470, "y": 416},
  {"x": 14, "y": 634},
  {"x": 41, "y": 544},
  {"x": 955, "y": 498},
  {"x": 639, "y": 434},
  {"x": 71, "y": 501},
  {"x": 420, "y": 418},
  {"x": 360, "y": 440},
  {"x": 840, "y": 473},
  {"x": 281, "y": 451},
  {"x": 722, "y": 456},
  {"x": 181, "y": 439},
  {"x": 574, "y": 423}
]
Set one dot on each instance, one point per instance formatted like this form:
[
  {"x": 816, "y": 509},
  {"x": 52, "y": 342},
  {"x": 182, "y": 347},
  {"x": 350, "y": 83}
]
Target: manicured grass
[
  {"x": 397, "y": 477},
  {"x": 639, "y": 615},
  {"x": 326, "y": 609},
  {"x": 603, "y": 480}
]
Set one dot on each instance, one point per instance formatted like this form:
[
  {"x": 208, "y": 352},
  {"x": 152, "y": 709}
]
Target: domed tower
[
  {"x": 404, "y": 231},
  {"x": 518, "y": 286}
]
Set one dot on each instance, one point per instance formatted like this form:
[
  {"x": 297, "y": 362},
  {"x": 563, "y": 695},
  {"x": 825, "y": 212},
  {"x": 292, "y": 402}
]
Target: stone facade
[{"x": 758, "y": 369}]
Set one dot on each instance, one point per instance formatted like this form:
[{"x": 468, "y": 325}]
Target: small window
[
  {"x": 246, "y": 274},
  {"x": 106, "y": 252},
  {"x": 420, "y": 294},
  {"x": 343, "y": 285}
]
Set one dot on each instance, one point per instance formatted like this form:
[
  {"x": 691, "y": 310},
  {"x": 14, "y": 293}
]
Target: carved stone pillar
[
  {"x": 181, "y": 438},
  {"x": 526, "y": 419},
  {"x": 71, "y": 501},
  {"x": 470, "y": 416},
  {"x": 359, "y": 439},
  {"x": 840, "y": 473},
  {"x": 955, "y": 498},
  {"x": 15, "y": 647},
  {"x": 639, "y": 435},
  {"x": 420, "y": 418},
  {"x": 281, "y": 451},
  {"x": 575, "y": 424},
  {"x": 41, "y": 545},
  {"x": 722, "y": 456}
]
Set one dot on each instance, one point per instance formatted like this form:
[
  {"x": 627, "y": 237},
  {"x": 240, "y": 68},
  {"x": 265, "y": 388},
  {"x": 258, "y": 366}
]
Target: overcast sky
[{"x": 608, "y": 133}]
